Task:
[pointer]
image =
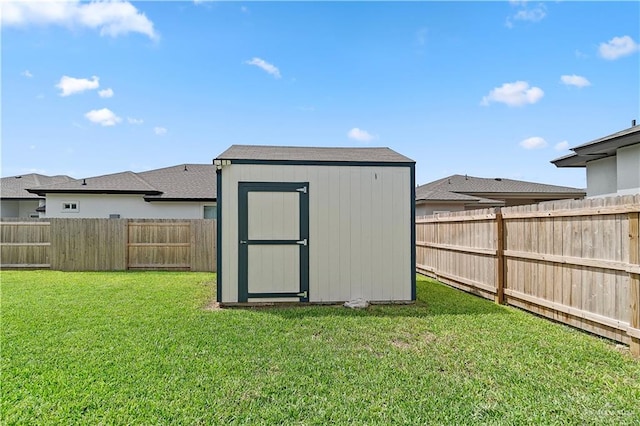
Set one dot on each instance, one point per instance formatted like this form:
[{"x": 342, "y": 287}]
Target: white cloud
[
  {"x": 618, "y": 47},
  {"x": 106, "y": 93},
  {"x": 266, "y": 66},
  {"x": 26, "y": 73},
  {"x": 514, "y": 94},
  {"x": 131, "y": 120},
  {"x": 159, "y": 131},
  {"x": 561, "y": 146},
  {"x": 575, "y": 80},
  {"x": 360, "y": 135},
  {"x": 536, "y": 14},
  {"x": 104, "y": 117},
  {"x": 111, "y": 18},
  {"x": 535, "y": 142},
  {"x": 533, "y": 14},
  {"x": 70, "y": 85}
]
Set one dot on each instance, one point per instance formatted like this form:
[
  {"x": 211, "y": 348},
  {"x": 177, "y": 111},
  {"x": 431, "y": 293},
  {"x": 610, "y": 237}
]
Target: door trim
[{"x": 243, "y": 241}]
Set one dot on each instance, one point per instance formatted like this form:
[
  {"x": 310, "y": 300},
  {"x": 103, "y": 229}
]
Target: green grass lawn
[{"x": 139, "y": 348}]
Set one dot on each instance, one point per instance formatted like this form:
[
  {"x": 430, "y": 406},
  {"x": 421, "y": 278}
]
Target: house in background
[
  {"x": 612, "y": 163},
  {"x": 17, "y": 202},
  {"x": 186, "y": 191},
  {"x": 462, "y": 192}
]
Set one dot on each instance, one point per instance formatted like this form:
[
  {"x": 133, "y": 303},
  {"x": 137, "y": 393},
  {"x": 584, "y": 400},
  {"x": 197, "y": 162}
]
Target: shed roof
[
  {"x": 15, "y": 187},
  {"x": 312, "y": 154}
]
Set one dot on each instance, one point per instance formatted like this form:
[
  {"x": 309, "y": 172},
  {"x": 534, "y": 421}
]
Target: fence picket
[{"x": 573, "y": 261}]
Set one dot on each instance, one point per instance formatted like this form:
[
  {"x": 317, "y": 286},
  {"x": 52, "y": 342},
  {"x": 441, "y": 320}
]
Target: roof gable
[{"x": 302, "y": 154}]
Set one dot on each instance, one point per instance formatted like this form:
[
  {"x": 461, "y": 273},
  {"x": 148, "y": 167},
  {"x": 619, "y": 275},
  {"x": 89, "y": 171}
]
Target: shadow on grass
[{"x": 433, "y": 298}]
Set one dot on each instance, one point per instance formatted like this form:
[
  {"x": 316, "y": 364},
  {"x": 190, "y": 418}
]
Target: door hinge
[
  {"x": 303, "y": 189},
  {"x": 302, "y": 242},
  {"x": 303, "y": 294}
]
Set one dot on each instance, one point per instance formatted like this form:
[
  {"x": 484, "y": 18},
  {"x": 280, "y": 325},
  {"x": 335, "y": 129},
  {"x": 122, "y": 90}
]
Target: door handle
[{"x": 243, "y": 242}]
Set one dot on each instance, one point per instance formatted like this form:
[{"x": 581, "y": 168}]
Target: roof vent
[
  {"x": 185, "y": 168},
  {"x": 499, "y": 179},
  {"x": 84, "y": 181},
  {"x": 633, "y": 123},
  {"x": 18, "y": 177},
  {"x": 466, "y": 177}
]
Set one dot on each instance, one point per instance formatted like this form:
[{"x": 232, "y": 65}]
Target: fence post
[
  {"x": 634, "y": 284},
  {"x": 500, "y": 267}
]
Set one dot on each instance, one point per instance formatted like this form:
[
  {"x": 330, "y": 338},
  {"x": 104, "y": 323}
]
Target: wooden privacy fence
[
  {"x": 109, "y": 244},
  {"x": 575, "y": 261}
]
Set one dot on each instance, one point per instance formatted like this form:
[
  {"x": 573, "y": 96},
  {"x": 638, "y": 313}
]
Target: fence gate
[{"x": 159, "y": 245}]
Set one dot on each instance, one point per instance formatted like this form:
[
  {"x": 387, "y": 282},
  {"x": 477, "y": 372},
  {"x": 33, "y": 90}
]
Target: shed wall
[{"x": 359, "y": 229}]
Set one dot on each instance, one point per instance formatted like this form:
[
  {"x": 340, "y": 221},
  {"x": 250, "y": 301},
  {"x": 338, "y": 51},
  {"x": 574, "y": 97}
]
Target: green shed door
[{"x": 273, "y": 241}]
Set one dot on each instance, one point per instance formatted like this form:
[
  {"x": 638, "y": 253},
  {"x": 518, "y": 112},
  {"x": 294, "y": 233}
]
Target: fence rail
[
  {"x": 574, "y": 261},
  {"x": 108, "y": 244}
]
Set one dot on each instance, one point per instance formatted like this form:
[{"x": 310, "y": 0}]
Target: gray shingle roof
[
  {"x": 15, "y": 187},
  {"x": 186, "y": 181},
  {"x": 471, "y": 184},
  {"x": 442, "y": 195},
  {"x": 183, "y": 182},
  {"x": 312, "y": 154},
  {"x": 460, "y": 186}
]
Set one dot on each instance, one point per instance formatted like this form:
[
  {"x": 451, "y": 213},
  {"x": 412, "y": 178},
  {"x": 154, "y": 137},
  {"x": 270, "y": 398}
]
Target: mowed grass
[{"x": 140, "y": 348}]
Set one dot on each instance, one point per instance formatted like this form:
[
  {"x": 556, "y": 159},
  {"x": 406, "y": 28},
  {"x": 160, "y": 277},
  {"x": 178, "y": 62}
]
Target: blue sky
[{"x": 490, "y": 89}]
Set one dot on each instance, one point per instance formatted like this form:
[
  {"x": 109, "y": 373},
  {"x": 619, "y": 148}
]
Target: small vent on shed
[{"x": 114, "y": 216}]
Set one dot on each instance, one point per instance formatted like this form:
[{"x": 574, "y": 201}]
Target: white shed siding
[
  {"x": 127, "y": 206},
  {"x": 359, "y": 229}
]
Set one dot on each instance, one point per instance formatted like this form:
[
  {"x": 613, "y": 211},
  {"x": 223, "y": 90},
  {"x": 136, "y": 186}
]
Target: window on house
[
  {"x": 210, "y": 212},
  {"x": 70, "y": 206}
]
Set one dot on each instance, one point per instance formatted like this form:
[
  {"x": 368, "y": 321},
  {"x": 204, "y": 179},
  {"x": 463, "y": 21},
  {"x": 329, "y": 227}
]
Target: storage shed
[{"x": 323, "y": 225}]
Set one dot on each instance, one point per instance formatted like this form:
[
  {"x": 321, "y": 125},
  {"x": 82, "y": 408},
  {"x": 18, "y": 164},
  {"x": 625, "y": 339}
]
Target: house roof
[
  {"x": 15, "y": 187},
  {"x": 301, "y": 154},
  {"x": 604, "y": 147},
  {"x": 465, "y": 188},
  {"x": 175, "y": 183},
  {"x": 186, "y": 181}
]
